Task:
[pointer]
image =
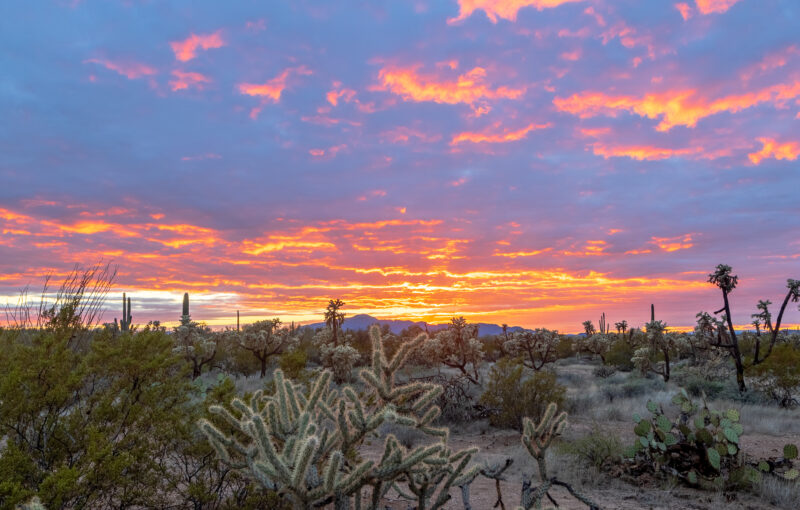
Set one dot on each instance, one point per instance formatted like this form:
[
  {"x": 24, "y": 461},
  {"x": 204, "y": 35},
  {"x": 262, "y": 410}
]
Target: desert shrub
[
  {"x": 597, "y": 448},
  {"x": 513, "y": 394},
  {"x": 565, "y": 347},
  {"x": 779, "y": 375},
  {"x": 537, "y": 348},
  {"x": 620, "y": 354},
  {"x": 293, "y": 363},
  {"x": 457, "y": 347},
  {"x": 632, "y": 387},
  {"x": 604, "y": 371}
]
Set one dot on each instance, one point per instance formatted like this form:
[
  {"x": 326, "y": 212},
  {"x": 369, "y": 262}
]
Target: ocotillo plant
[{"x": 303, "y": 444}]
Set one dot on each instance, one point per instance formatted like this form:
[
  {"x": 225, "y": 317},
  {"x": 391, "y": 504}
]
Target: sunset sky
[{"x": 530, "y": 162}]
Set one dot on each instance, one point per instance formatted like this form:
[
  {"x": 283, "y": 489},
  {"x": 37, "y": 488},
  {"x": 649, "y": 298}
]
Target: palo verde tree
[
  {"x": 723, "y": 278},
  {"x": 537, "y": 347},
  {"x": 265, "y": 339}
]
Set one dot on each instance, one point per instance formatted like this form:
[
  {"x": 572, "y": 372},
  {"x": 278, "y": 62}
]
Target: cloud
[
  {"x": 333, "y": 96},
  {"x": 773, "y": 149},
  {"x": 469, "y": 88},
  {"x": 685, "y": 10},
  {"x": 714, "y": 6},
  {"x": 184, "y": 80},
  {"x": 128, "y": 69},
  {"x": 493, "y": 136},
  {"x": 673, "y": 108},
  {"x": 187, "y": 49},
  {"x": 642, "y": 152},
  {"x": 271, "y": 90},
  {"x": 669, "y": 244},
  {"x": 506, "y": 9}
]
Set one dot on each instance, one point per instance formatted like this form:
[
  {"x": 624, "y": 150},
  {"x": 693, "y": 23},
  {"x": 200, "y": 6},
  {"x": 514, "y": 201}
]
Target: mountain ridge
[{"x": 363, "y": 321}]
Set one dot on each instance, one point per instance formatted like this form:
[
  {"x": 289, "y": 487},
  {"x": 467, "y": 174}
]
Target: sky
[{"x": 530, "y": 162}]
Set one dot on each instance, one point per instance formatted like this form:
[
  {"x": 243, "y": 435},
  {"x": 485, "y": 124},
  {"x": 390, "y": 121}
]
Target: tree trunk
[
  {"x": 263, "y": 361},
  {"x": 775, "y": 330},
  {"x": 666, "y": 365}
]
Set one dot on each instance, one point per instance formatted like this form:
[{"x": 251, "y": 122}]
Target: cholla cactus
[
  {"x": 304, "y": 443},
  {"x": 340, "y": 357},
  {"x": 537, "y": 347},
  {"x": 196, "y": 343},
  {"x": 597, "y": 344},
  {"x": 660, "y": 343},
  {"x": 457, "y": 347},
  {"x": 265, "y": 339},
  {"x": 537, "y": 438}
]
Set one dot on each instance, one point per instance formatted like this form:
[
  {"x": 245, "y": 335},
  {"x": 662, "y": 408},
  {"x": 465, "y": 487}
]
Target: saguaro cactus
[
  {"x": 125, "y": 322},
  {"x": 185, "y": 317}
]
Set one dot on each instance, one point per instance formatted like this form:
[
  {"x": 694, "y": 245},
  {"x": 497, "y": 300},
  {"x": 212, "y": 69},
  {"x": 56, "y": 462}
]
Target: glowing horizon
[{"x": 529, "y": 162}]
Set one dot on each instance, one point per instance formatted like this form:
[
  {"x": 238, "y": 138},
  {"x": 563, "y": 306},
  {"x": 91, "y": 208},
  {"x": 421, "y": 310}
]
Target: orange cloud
[
  {"x": 506, "y": 9},
  {"x": 771, "y": 61},
  {"x": 469, "y": 88},
  {"x": 334, "y": 95},
  {"x": 403, "y": 134},
  {"x": 670, "y": 244},
  {"x": 642, "y": 152},
  {"x": 494, "y": 137},
  {"x": 674, "y": 108},
  {"x": 271, "y": 90},
  {"x": 685, "y": 10},
  {"x": 572, "y": 56},
  {"x": 130, "y": 70},
  {"x": 187, "y": 49},
  {"x": 184, "y": 80},
  {"x": 772, "y": 149},
  {"x": 714, "y": 6}
]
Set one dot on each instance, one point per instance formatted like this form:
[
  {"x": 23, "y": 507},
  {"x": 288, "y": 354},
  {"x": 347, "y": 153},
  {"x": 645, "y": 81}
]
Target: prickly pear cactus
[{"x": 700, "y": 446}]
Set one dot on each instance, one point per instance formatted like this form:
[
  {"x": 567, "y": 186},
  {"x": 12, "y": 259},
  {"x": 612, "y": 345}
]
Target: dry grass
[{"x": 780, "y": 493}]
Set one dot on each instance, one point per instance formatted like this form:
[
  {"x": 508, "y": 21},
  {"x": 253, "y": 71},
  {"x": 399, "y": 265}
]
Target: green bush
[
  {"x": 619, "y": 355},
  {"x": 565, "y": 347},
  {"x": 513, "y": 394},
  {"x": 597, "y": 448},
  {"x": 293, "y": 363}
]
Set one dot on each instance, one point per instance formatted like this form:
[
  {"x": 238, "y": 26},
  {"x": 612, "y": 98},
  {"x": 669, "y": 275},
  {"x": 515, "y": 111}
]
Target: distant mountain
[{"x": 364, "y": 321}]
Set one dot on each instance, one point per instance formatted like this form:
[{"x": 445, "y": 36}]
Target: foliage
[
  {"x": 293, "y": 364},
  {"x": 340, "y": 358},
  {"x": 304, "y": 444},
  {"x": 89, "y": 429},
  {"x": 596, "y": 344},
  {"x": 537, "y": 347},
  {"x": 620, "y": 354},
  {"x": 598, "y": 447},
  {"x": 513, "y": 395},
  {"x": 779, "y": 375}
]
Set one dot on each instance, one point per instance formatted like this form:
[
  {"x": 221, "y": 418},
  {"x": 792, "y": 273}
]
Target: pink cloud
[
  {"x": 185, "y": 80},
  {"x": 187, "y": 49},
  {"x": 130, "y": 70},
  {"x": 506, "y": 9},
  {"x": 714, "y": 6}
]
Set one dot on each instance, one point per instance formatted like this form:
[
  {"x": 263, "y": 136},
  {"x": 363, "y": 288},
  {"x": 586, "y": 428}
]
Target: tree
[
  {"x": 726, "y": 282},
  {"x": 537, "y": 347},
  {"x": 265, "y": 339},
  {"x": 621, "y": 326},
  {"x": 588, "y": 328},
  {"x": 334, "y": 318}
]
